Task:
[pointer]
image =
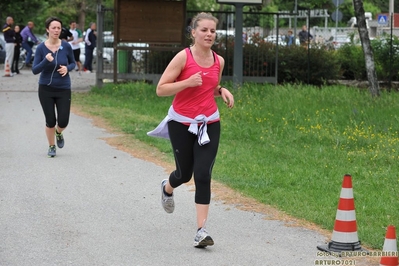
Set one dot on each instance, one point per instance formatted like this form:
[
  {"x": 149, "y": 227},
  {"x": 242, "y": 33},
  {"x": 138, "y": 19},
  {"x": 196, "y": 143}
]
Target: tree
[
  {"x": 367, "y": 51},
  {"x": 20, "y": 10}
]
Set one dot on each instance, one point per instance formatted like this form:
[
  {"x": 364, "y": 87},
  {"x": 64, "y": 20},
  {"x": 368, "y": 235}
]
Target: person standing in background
[
  {"x": 17, "y": 50},
  {"x": 75, "y": 44},
  {"x": 54, "y": 60},
  {"x": 290, "y": 38},
  {"x": 304, "y": 36},
  {"x": 90, "y": 44},
  {"x": 28, "y": 40},
  {"x": 9, "y": 37}
]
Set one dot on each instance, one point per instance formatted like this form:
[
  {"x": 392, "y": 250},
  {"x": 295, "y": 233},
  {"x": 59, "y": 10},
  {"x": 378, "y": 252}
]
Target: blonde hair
[
  {"x": 201, "y": 16},
  {"x": 197, "y": 18}
]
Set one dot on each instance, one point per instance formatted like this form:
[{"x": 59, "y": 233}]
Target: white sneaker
[
  {"x": 202, "y": 239},
  {"x": 168, "y": 203}
]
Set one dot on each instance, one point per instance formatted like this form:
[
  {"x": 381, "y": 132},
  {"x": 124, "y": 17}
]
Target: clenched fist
[
  {"x": 196, "y": 79},
  {"x": 49, "y": 57}
]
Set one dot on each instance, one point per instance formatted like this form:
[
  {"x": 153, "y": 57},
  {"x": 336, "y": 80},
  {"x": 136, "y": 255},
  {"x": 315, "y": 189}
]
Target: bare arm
[
  {"x": 217, "y": 92},
  {"x": 168, "y": 86}
]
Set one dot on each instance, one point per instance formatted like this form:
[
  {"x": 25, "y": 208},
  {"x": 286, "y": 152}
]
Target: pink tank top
[{"x": 194, "y": 101}]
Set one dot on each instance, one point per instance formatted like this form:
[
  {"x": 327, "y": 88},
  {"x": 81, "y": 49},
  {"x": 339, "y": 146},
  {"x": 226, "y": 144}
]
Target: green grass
[{"x": 288, "y": 146}]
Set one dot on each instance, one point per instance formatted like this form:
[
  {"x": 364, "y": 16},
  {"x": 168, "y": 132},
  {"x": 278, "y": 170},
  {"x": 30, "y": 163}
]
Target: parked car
[
  {"x": 106, "y": 56},
  {"x": 2, "y": 49},
  {"x": 274, "y": 39},
  {"x": 137, "y": 54}
]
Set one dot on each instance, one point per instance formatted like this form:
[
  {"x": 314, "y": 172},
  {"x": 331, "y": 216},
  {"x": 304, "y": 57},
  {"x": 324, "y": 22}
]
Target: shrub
[
  {"x": 385, "y": 62},
  {"x": 296, "y": 61},
  {"x": 352, "y": 62}
]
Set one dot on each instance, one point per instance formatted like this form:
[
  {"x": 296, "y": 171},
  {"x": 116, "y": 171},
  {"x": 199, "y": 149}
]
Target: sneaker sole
[
  {"x": 207, "y": 241},
  {"x": 60, "y": 146}
]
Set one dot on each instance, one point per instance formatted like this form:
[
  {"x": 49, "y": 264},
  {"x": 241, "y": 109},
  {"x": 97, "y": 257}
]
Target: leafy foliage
[
  {"x": 384, "y": 57},
  {"x": 351, "y": 59},
  {"x": 295, "y": 62},
  {"x": 38, "y": 11},
  {"x": 352, "y": 62}
]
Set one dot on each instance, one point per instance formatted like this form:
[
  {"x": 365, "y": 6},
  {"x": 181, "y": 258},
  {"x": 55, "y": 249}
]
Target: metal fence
[{"x": 142, "y": 61}]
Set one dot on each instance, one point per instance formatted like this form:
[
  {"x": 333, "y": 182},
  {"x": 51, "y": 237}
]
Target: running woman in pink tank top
[{"x": 193, "y": 77}]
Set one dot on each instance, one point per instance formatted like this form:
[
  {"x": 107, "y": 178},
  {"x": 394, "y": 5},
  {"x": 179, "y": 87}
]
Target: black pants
[
  {"x": 88, "y": 58},
  {"x": 191, "y": 158},
  {"x": 15, "y": 61},
  {"x": 51, "y": 99}
]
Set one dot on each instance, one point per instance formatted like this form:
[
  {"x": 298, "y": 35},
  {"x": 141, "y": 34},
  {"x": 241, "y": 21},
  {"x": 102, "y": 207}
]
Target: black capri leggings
[
  {"x": 51, "y": 99},
  {"x": 191, "y": 158}
]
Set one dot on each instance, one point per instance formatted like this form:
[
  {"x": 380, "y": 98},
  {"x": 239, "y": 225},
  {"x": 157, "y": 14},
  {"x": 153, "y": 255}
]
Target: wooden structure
[{"x": 149, "y": 21}]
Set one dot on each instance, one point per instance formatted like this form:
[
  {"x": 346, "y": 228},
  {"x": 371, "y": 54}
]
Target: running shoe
[
  {"x": 60, "y": 139},
  {"x": 202, "y": 239},
  {"x": 168, "y": 203},
  {"x": 51, "y": 151}
]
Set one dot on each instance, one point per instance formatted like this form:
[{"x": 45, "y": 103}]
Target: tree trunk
[
  {"x": 82, "y": 16},
  {"x": 367, "y": 51}
]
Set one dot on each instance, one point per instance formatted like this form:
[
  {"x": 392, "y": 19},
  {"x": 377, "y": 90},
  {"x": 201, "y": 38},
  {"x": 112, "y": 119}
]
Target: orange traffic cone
[
  {"x": 390, "y": 249},
  {"x": 344, "y": 236},
  {"x": 7, "y": 69}
]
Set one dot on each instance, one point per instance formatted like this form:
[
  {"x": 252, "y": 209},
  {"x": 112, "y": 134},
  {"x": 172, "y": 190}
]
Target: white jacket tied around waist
[{"x": 161, "y": 131}]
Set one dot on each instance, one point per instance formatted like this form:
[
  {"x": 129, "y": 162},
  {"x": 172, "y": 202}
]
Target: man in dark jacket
[
  {"x": 90, "y": 44},
  {"x": 304, "y": 36},
  {"x": 9, "y": 37}
]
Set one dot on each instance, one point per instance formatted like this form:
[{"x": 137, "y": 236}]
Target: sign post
[
  {"x": 238, "y": 54},
  {"x": 337, "y": 14}
]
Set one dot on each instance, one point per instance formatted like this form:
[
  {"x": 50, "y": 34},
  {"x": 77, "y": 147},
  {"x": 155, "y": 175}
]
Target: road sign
[
  {"x": 336, "y": 15},
  {"x": 382, "y": 19}
]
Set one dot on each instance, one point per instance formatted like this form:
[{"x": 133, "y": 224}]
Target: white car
[
  {"x": 273, "y": 39},
  {"x": 137, "y": 54},
  {"x": 106, "y": 56},
  {"x": 339, "y": 40}
]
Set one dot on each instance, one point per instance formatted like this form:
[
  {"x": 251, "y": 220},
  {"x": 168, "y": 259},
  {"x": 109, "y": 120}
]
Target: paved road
[{"x": 96, "y": 205}]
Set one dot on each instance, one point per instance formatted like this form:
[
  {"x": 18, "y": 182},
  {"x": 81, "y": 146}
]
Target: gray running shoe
[
  {"x": 51, "y": 151},
  {"x": 60, "y": 139},
  {"x": 168, "y": 203},
  {"x": 202, "y": 239}
]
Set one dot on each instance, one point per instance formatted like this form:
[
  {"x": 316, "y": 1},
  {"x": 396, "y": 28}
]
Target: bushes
[
  {"x": 259, "y": 61},
  {"x": 383, "y": 59},
  {"x": 353, "y": 65},
  {"x": 351, "y": 61},
  {"x": 295, "y": 61}
]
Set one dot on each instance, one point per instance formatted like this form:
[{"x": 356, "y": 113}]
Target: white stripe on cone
[
  {"x": 390, "y": 245},
  {"x": 343, "y": 237},
  {"x": 346, "y": 193},
  {"x": 346, "y": 215}
]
